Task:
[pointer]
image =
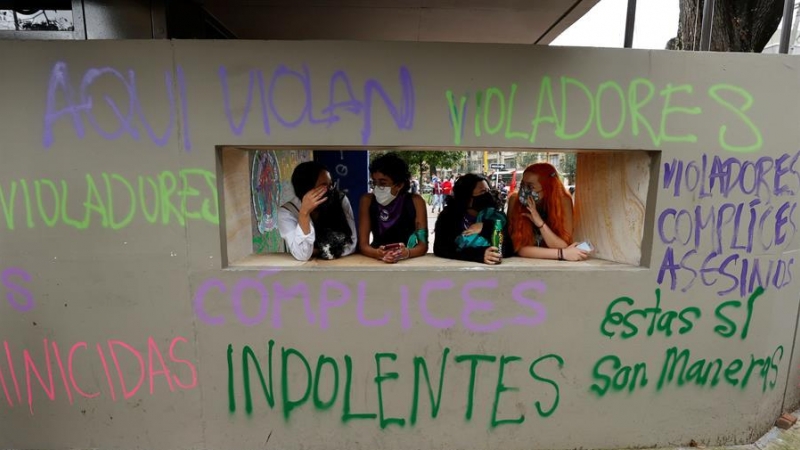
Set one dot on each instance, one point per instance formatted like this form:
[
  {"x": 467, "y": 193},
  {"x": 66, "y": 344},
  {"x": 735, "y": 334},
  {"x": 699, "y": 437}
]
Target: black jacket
[{"x": 449, "y": 225}]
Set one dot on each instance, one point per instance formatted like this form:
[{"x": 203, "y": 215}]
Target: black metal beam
[
  {"x": 36, "y": 35},
  {"x": 35, "y": 4},
  {"x": 630, "y": 23},
  {"x": 786, "y": 26}
]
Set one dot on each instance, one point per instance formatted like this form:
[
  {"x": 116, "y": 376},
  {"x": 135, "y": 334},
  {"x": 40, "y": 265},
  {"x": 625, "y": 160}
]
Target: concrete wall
[{"x": 126, "y": 324}]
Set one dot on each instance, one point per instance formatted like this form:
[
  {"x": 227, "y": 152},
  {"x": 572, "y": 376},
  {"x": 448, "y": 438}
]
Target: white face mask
[{"x": 383, "y": 194}]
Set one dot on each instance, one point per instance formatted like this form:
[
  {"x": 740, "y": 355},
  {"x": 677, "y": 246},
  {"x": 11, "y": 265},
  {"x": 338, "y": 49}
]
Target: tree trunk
[{"x": 738, "y": 26}]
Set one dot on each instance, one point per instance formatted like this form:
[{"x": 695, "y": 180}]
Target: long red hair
[{"x": 553, "y": 196}]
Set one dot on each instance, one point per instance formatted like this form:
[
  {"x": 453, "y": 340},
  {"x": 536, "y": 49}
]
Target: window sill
[{"x": 426, "y": 263}]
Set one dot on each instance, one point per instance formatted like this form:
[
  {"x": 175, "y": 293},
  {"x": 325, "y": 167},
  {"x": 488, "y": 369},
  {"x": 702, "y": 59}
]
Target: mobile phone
[
  {"x": 391, "y": 246},
  {"x": 586, "y": 246}
]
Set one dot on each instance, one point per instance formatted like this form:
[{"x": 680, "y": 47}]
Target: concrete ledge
[{"x": 426, "y": 263}]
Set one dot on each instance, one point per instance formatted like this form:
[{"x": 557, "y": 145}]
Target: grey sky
[{"x": 604, "y": 25}]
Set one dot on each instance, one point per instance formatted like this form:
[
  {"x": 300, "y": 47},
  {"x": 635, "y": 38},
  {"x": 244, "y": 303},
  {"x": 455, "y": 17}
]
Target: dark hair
[
  {"x": 331, "y": 217},
  {"x": 393, "y": 167},
  {"x": 305, "y": 176},
  {"x": 462, "y": 190}
]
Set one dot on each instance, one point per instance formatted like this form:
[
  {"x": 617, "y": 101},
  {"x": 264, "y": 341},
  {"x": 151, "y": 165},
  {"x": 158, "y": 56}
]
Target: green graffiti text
[
  {"x": 110, "y": 200},
  {"x": 305, "y": 384},
  {"x": 679, "y": 368},
  {"x": 569, "y": 109}
]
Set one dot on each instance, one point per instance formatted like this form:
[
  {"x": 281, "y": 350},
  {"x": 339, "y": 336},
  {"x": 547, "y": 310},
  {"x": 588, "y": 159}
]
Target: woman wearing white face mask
[{"x": 396, "y": 218}]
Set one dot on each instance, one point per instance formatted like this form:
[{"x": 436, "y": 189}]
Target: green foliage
[
  {"x": 569, "y": 165},
  {"x": 528, "y": 158},
  {"x": 421, "y": 161}
]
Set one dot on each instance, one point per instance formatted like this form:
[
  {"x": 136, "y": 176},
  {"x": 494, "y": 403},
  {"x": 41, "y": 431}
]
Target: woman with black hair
[
  {"x": 472, "y": 227},
  {"x": 396, "y": 218},
  {"x": 318, "y": 221}
]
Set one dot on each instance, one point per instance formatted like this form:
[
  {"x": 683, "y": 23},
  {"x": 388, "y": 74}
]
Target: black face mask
[
  {"x": 483, "y": 201},
  {"x": 330, "y": 194}
]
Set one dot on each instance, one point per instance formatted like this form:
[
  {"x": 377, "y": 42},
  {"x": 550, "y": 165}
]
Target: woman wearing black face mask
[
  {"x": 318, "y": 221},
  {"x": 471, "y": 227}
]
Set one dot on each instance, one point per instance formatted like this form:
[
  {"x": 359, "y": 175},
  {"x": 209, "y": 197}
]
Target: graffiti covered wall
[{"x": 123, "y": 326}]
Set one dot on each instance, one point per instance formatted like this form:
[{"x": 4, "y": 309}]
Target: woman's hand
[
  {"x": 573, "y": 253},
  {"x": 475, "y": 228},
  {"x": 380, "y": 253},
  {"x": 533, "y": 213},
  {"x": 312, "y": 199},
  {"x": 397, "y": 254},
  {"x": 492, "y": 256}
]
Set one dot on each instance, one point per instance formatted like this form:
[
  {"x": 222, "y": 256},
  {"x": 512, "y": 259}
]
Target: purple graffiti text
[
  {"x": 12, "y": 282},
  {"x": 719, "y": 176},
  {"x": 297, "y": 84},
  {"x": 728, "y": 246},
  {"x": 254, "y": 299},
  {"x": 734, "y": 272},
  {"x": 748, "y": 227},
  {"x": 733, "y": 246},
  {"x": 122, "y": 103}
]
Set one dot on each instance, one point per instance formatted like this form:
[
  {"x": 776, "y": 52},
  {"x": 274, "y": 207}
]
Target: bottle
[{"x": 497, "y": 236}]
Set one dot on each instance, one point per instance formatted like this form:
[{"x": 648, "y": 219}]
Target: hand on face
[
  {"x": 532, "y": 213},
  {"x": 313, "y": 199}
]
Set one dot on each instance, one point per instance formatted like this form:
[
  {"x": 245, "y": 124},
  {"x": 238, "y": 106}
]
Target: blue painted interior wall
[{"x": 351, "y": 169}]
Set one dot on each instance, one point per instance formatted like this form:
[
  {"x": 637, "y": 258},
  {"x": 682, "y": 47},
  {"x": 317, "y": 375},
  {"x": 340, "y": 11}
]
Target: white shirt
[{"x": 301, "y": 245}]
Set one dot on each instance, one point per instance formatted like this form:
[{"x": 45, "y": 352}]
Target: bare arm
[
  {"x": 364, "y": 228},
  {"x": 420, "y": 223},
  {"x": 550, "y": 237},
  {"x": 569, "y": 253},
  {"x": 299, "y": 241},
  {"x": 538, "y": 252}
]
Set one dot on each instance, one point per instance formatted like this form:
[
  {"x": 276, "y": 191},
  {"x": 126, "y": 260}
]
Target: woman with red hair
[{"x": 540, "y": 216}]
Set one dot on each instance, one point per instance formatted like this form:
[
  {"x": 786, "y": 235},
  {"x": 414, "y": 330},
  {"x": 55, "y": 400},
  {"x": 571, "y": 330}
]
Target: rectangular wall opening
[{"x": 613, "y": 197}]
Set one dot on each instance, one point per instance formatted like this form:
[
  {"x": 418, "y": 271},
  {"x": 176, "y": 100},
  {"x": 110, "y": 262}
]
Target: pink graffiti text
[{"x": 130, "y": 368}]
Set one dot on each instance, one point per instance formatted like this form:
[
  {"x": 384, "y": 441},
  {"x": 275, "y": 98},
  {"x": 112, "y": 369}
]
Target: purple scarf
[{"x": 389, "y": 215}]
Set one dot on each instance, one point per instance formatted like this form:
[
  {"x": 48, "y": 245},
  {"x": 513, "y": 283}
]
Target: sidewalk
[
  {"x": 775, "y": 439},
  {"x": 431, "y": 226}
]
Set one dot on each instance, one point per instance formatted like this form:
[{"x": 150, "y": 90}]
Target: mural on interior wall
[{"x": 270, "y": 187}]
